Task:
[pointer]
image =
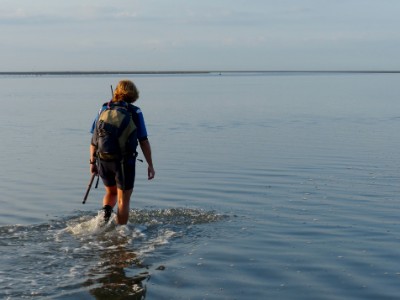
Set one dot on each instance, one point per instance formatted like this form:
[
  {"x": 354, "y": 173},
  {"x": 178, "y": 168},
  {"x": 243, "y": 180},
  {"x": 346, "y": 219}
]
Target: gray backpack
[{"x": 115, "y": 133}]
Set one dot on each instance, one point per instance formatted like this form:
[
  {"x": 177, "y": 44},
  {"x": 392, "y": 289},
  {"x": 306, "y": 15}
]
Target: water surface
[{"x": 268, "y": 186}]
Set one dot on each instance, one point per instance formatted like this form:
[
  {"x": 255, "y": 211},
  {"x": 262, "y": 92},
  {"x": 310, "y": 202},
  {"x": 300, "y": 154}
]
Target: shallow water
[{"x": 268, "y": 186}]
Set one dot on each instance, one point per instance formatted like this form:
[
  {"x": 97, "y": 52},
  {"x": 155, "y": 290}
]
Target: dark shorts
[{"x": 111, "y": 173}]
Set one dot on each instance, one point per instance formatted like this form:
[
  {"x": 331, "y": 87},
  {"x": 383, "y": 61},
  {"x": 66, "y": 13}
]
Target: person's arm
[
  {"x": 93, "y": 142},
  {"x": 92, "y": 160},
  {"x": 146, "y": 149}
]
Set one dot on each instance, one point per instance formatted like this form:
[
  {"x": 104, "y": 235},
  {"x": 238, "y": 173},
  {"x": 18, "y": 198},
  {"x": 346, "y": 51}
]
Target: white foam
[
  {"x": 92, "y": 226},
  {"x": 161, "y": 239}
]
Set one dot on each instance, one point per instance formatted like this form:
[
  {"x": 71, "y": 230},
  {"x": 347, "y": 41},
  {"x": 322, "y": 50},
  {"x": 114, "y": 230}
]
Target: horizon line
[{"x": 172, "y": 72}]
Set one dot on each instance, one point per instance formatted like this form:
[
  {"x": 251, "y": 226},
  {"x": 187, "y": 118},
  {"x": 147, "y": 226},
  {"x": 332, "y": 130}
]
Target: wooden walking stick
[{"x": 88, "y": 188}]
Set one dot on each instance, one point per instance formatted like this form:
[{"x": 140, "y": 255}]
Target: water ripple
[{"x": 79, "y": 254}]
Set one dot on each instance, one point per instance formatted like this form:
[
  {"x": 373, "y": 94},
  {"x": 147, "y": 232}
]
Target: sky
[{"x": 172, "y": 35}]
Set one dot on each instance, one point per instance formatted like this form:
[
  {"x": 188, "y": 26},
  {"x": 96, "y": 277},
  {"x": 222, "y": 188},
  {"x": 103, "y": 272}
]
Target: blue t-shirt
[{"x": 137, "y": 117}]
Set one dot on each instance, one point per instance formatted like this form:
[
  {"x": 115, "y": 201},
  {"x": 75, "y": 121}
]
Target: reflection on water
[
  {"x": 110, "y": 277},
  {"x": 73, "y": 256},
  {"x": 113, "y": 281}
]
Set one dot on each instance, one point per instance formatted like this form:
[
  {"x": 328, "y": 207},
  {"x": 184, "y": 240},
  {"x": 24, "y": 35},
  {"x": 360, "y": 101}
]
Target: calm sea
[{"x": 268, "y": 186}]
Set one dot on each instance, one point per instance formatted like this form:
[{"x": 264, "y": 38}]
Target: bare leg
[
  {"x": 110, "y": 198},
  {"x": 124, "y": 198}
]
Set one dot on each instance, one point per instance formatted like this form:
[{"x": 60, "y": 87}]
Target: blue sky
[{"x": 54, "y": 35}]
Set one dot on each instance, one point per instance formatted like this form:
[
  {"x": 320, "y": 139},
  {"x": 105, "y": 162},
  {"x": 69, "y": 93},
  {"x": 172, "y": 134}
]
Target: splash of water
[{"x": 81, "y": 253}]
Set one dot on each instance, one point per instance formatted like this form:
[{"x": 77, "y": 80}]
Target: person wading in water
[{"x": 116, "y": 131}]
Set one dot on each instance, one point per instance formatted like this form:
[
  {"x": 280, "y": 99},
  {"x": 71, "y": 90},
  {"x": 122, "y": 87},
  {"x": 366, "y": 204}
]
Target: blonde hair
[{"x": 126, "y": 91}]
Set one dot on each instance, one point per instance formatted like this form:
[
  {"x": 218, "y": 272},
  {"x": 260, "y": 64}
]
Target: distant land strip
[{"x": 41, "y": 73}]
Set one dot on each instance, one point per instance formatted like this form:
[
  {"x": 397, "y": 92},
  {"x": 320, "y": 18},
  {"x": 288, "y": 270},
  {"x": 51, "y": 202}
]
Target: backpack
[{"x": 115, "y": 133}]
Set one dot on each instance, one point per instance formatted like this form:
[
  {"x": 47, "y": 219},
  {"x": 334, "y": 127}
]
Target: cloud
[
  {"x": 45, "y": 11},
  {"x": 12, "y": 14}
]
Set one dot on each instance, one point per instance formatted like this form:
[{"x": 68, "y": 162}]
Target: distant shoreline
[{"x": 42, "y": 73}]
